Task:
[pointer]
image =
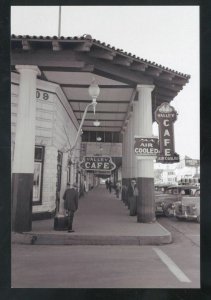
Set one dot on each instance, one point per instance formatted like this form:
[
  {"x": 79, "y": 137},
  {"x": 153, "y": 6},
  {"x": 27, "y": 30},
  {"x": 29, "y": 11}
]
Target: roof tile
[{"x": 89, "y": 37}]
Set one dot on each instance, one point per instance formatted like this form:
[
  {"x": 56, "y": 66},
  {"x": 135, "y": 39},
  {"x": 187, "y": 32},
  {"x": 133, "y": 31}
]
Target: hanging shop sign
[
  {"x": 165, "y": 116},
  {"x": 102, "y": 173},
  {"x": 192, "y": 162},
  {"x": 97, "y": 163},
  {"x": 146, "y": 146}
]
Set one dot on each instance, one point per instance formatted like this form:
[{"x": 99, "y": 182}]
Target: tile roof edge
[{"x": 97, "y": 42}]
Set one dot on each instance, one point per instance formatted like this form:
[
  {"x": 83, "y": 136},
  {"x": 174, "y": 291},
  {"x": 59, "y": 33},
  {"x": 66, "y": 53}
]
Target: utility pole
[{"x": 59, "y": 27}]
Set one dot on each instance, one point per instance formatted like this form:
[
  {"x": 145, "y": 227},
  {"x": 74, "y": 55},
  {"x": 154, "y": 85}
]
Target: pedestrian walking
[
  {"x": 109, "y": 185},
  {"x": 124, "y": 194},
  {"x": 71, "y": 203},
  {"x": 106, "y": 182},
  {"x": 118, "y": 189},
  {"x": 132, "y": 197}
]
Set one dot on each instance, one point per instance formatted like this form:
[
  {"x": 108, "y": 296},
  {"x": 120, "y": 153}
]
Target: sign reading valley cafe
[
  {"x": 97, "y": 163},
  {"x": 165, "y": 116}
]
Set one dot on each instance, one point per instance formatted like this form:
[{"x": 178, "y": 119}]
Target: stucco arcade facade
[
  {"x": 54, "y": 118},
  {"x": 49, "y": 92}
]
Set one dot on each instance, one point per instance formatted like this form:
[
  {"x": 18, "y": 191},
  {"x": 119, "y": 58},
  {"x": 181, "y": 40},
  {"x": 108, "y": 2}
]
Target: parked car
[
  {"x": 164, "y": 202},
  {"x": 188, "y": 208},
  {"x": 161, "y": 188}
]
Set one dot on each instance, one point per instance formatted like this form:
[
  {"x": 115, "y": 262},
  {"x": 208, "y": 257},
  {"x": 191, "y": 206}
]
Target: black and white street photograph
[{"x": 105, "y": 147}]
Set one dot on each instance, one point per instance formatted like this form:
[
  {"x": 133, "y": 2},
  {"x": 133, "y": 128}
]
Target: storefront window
[
  {"x": 59, "y": 171},
  {"x": 85, "y": 136},
  {"x": 38, "y": 175},
  {"x": 92, "y": 136},
  {"x": 100, "y": 135},
  {"x": 115, "y": 137},
  {"x": 108, "y": 137}
]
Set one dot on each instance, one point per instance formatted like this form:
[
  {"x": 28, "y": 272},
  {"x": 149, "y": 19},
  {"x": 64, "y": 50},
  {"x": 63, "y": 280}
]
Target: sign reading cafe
[
  {"x": 165, "y": 116},
  {"x": 97, "y": 163}
]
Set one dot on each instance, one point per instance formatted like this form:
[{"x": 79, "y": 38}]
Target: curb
[{"x": 67, "y": 239}]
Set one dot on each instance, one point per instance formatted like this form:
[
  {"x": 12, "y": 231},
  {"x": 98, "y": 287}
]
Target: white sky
[{"x": 167, "y": 35}]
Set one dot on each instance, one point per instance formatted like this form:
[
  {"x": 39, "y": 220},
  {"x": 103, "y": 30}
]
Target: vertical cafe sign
[{"x": 165, "y": 116}]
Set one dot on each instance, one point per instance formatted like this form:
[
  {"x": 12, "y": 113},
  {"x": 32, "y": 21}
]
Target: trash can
[{"x": 60, "y": 222}]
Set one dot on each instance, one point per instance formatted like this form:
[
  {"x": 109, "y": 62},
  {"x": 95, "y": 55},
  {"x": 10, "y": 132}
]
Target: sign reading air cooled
[
  {"x": 146, "y": 146},
  {"x": 97, "y": 163},
  {"x": 165, "y": 116}
]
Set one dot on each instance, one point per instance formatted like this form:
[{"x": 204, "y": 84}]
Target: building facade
[
  {"x": 50, "y": 81},
  {"x": 55, "y": 130}
]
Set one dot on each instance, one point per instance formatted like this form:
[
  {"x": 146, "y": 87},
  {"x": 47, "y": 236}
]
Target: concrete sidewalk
[{"x": 101, "y": 219}]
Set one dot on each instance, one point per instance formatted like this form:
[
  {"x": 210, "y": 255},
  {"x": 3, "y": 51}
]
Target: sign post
[{"x": 165, "y": 116}]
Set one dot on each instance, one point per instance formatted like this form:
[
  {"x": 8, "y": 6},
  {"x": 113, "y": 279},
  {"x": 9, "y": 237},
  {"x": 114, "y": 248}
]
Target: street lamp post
[{"x": 94, "y": 90}]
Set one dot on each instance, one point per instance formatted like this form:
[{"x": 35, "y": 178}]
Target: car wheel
[
  {"x": 168, "y": 211},
  {"x": 198, "y": 219}
]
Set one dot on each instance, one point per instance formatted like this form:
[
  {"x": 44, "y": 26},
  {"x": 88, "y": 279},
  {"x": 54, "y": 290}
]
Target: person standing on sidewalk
[
  {"x": 132, "y": 197},
  {"x": 71, "y": 203}
]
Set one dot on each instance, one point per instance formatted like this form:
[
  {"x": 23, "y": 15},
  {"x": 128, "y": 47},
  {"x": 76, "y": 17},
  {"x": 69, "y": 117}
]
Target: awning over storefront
[{"x": 72, "y": 62}]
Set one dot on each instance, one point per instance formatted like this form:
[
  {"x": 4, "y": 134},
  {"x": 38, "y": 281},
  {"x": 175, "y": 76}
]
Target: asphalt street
[{"x": 175, "y": 265}]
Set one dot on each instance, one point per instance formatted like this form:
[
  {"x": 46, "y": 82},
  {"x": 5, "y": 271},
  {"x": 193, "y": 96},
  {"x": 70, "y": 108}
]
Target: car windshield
[{"x": 186, "y": 192}]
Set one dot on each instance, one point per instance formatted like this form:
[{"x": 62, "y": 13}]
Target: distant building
[{"x": 185, "y": 172}]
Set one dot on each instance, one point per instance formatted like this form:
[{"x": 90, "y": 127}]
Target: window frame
[{"x": 41, "y": 163}]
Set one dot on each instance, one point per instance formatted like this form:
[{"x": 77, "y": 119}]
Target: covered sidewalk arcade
[{"x": 131, "y": 89}]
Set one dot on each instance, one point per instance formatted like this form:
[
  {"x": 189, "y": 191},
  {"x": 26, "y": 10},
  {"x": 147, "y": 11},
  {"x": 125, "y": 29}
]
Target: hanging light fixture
[
  {"x": 96, "y": 123},
  {"x": 99, "y": 138},
  {"x": 94, "y": 92}
]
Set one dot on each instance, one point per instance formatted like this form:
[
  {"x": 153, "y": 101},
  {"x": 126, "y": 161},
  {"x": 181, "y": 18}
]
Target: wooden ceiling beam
[
  {"x": 102, "y": 126},
  {"x": 136, "y": 66},
  {"x": 179, "y": 80},
  {"x": 116, "y": 122},
  {"x": 168, "y": 86},
  {"x": 153, "y": 71},
  {"x": 101, "y": 86},
  {"x": 87, "y": 68},
  {"x": 167, "y": 76},
  {"x": 102, "y": 53},
  {"x": 162, "y": 98},
  {"x": 101, "y": 112},
  {"x": 130, "y": 107},
  {"x": 84, "y": 46},
  {"x": 99, "y": 101},
  {"x": 162, "y": 92},
  {"x": 70, "y": 68},
  {"x": 46, "y": 57},
  {"x": 26, "y": 45},
  {"x": 101, "y": 120},
  {"x": 43, "y": 77},
  {"x": 122, "y": 60},
  {"x": 56, "y": 45},
  {"x": 115, "y": 72}
]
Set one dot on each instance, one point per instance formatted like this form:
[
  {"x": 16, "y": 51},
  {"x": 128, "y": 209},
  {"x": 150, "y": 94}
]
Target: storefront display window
[
  {"x": 38, "y": 175},
  {"x": 59, "y": 171}
]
